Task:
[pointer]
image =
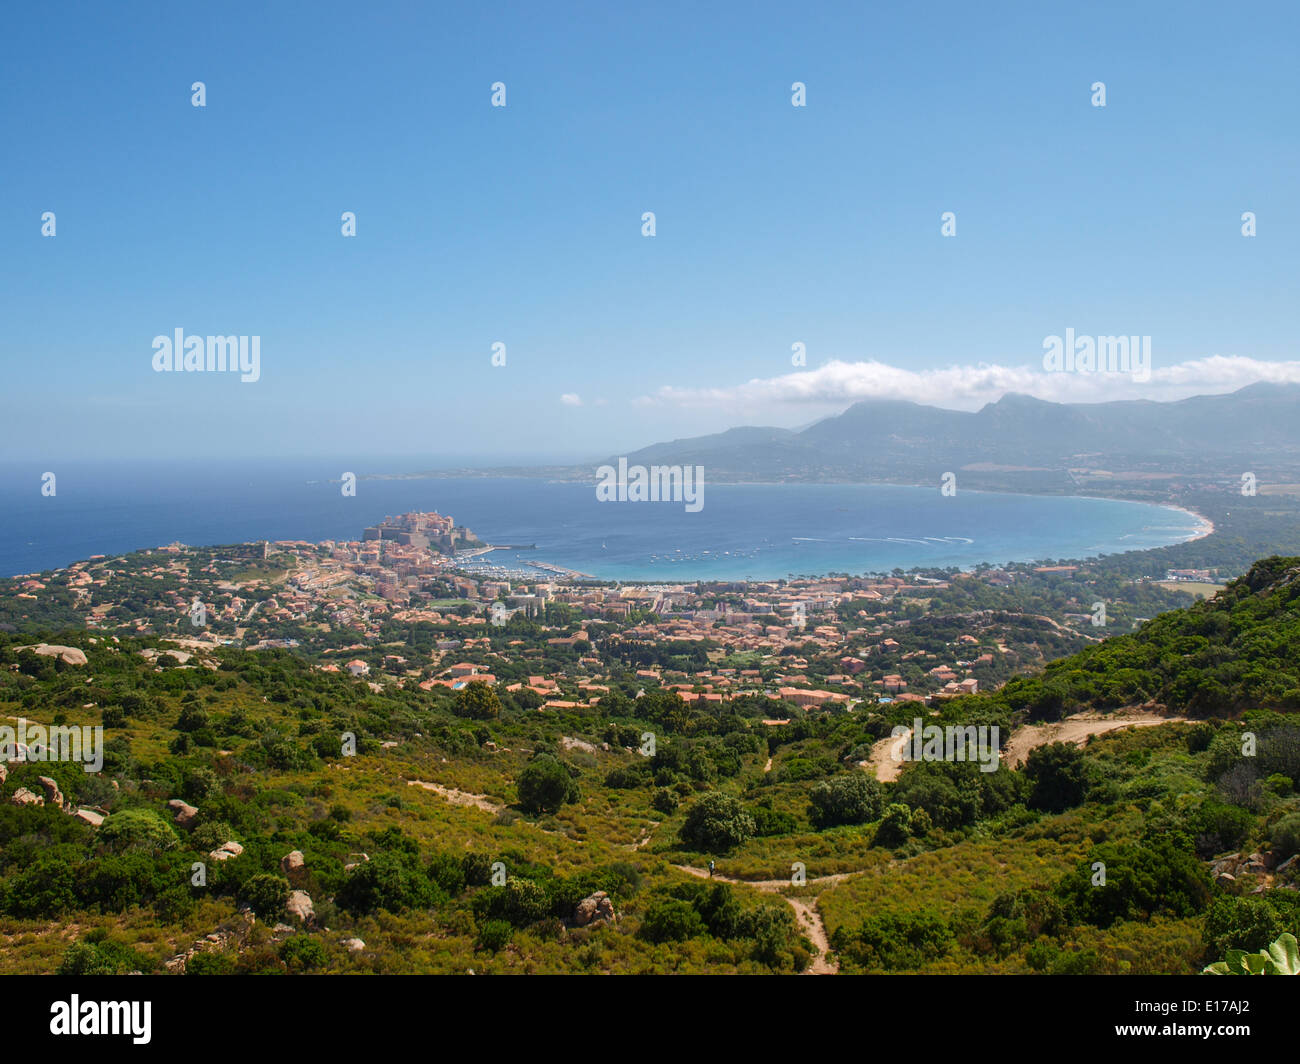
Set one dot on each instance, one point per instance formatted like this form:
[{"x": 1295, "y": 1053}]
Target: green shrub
[
  {"x": 448, "y": 872},
  {"x": 545, "y": 785},
  {"x": 303, "y": 953},
  {"x": 494, "y": 935},
  {"x": 1056, "y": 776},
  {"x": 852, "y": 799},
  {"x": 265, "y": 894},
  {"x": 44, "y": 889},
  {"x": 210, "y": 963},
  {"x": 716, "y": 823},
  {"x": 895, "y": 826},
  {"x": 671, "y": 920},
  {"x": 769, "y": 821},
  {"x": 1141, "y": 880},
  {"x": 893, "y": 941},
  {"x": 388, "y": 881},
  {"x": 1281, "y": 958},
  {"x": 476, "y": 701},
  {"x": 98, "y": 956},
  {"x": 1242, "y": 924},
  {"x": 138, "y": 830},
  {"x": 664, "y": 801},
  {"x": 478, "y": 869},
  {"x": 209, "y": 836},
  {"x": 519, "y": 902},
  {"x": 1285, "y": 837}
]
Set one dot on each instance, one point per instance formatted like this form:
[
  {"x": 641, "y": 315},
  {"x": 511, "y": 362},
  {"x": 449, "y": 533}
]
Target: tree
[
  {"x": 671, "y": 920},
  {"x": 302, "y": 953},
  {"x": 716, "y": 823},
  {"x": 896, "y": 825},
  {"x": 477, "y": 701},
  {"x": 140, "y": 830},
  {"x": 1057, "y": 777},
  {"x": 192, "y": 718},
  {"x": 853, "y": 799},
  {"x": 45, "y": 888},
  {"x": 545, "y": 784},
  {"x": 518, "y": 901},
  {"x": 265, "y": 894},
  {"x": 388, "y": 881},
  {"x": 1140, "y": 880}
]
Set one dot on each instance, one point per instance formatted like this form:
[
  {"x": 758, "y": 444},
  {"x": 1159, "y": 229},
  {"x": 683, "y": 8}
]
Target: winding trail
[
  {"x": 646, "y": 835},
  {"x": 478, "y": 801},
  {"x": 883, "y": 763},
  {"x": 1077, "y": 730},
  {"x": 810, "y": 922},
  {"x": 805, "y": 910}
]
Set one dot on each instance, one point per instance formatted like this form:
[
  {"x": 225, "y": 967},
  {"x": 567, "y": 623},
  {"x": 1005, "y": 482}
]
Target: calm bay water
[{"x": 744, "y": 531}]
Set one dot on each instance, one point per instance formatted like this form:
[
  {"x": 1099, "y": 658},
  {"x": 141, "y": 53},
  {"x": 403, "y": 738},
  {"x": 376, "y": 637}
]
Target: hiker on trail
[{"x": 710, "y": 869}]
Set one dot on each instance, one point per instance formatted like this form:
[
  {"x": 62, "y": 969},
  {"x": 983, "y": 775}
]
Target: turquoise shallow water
[{"x": 744, "y": 531}]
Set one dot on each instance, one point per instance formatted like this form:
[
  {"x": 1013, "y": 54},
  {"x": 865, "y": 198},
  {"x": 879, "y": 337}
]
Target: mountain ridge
[{"x": 891, "y": 438}]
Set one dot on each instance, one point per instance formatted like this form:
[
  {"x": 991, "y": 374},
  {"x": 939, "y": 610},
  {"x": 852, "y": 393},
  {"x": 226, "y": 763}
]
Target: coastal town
[{"x": 417, "y": 601}]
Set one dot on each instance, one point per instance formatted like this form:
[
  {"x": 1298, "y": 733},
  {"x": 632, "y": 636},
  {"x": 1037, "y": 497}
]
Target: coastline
[
  {"x": 1205, "y": 527},
  {"x": 275, "y": 512}
]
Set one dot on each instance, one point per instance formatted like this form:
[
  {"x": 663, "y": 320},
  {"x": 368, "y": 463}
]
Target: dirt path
[
  {"x": 810, "y": 923},
  {"x": 646, "y": 833},
  {"x": 1076, "y": 730},
  {"x": 771, "y": 886},
  {"x": 884, "y": 761},
  {"x": 805, "y": 910},
  {"x": 478, "y": 801},
  {"x": 768, "y": 766}
]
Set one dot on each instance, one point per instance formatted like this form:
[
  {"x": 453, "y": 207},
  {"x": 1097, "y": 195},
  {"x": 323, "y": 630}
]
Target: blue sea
[{"x": 750, "y": 531}]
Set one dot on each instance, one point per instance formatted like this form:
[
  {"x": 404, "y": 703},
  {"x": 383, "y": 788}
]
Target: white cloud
[
  {"x": 571, "y": 399},
  {"x": 970, "y": 387}
]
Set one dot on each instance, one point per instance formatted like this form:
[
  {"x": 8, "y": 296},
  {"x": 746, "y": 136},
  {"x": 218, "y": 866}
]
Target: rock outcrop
[
  {"x": 300, "y": 906},
  {"x": 53, "y": 796},
  {"x": 594, "y": 909},
  {"x": 69, "y": 655},
  {"x": 184, "y": 812}
]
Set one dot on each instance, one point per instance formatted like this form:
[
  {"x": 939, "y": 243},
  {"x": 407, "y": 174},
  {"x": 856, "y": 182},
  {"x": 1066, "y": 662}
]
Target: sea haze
[{"x": 756, "y": 531}]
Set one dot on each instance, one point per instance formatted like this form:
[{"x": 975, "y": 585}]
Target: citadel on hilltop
[{"x": 429, "y": 531}]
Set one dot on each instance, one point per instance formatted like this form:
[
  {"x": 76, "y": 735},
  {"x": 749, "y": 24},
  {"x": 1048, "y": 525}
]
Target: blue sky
[{"x": 522, "y": 224}]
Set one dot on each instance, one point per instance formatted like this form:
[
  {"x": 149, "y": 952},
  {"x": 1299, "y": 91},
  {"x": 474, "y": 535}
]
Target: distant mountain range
[{"x": 1017, "y": 440}]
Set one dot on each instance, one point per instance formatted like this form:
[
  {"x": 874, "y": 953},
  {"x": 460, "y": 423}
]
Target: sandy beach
[{"x": 1206, "y": 525}]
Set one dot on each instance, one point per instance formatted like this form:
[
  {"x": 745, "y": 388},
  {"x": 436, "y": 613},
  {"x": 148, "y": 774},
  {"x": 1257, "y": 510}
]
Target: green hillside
[{"x": 395, "y": 810}]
